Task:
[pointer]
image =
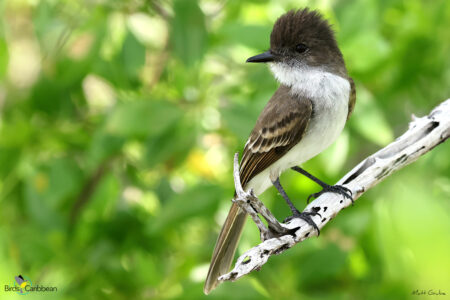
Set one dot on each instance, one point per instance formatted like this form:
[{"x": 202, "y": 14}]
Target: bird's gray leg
[
  {"x": 339, "y": 189},
  {"x": 306, "y": 216}
]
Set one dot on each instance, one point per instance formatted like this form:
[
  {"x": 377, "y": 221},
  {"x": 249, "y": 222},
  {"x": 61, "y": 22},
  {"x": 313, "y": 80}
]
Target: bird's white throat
[{"x": 312, "y": 82}]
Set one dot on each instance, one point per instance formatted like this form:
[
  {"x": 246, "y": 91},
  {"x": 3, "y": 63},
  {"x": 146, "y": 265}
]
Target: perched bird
[{"x": 304, "y": 116}]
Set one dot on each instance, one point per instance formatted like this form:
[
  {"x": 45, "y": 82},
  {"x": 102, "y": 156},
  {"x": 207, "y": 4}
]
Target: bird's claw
[
  {"x": 338, "y": 189},
  {"x": 306, "y": 216}
]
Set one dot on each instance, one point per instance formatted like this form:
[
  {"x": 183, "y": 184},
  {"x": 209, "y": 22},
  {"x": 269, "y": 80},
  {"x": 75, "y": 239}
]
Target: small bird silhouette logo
[{"x": 22, "y": 283}]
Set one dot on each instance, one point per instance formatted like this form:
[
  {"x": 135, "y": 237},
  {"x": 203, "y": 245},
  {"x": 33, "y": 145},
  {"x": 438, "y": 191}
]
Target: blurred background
[{"x": 118, "y": 125}]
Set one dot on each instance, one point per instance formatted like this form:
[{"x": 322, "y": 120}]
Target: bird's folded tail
[{"x": 225, "y": 247}]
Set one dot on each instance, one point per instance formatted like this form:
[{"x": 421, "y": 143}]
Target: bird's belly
[{"x": 322, "y": 131}]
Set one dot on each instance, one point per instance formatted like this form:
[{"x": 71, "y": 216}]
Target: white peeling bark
[{"x": 422, "y": 136}]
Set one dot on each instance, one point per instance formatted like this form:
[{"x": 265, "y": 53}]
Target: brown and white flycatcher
[{"x": 304, "y": 116}]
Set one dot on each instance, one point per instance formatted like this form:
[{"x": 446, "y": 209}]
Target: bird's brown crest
[{"x": 301, "y": 25}]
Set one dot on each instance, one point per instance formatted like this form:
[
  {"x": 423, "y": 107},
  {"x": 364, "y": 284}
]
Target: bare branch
[{"x": 422, "y": 136}]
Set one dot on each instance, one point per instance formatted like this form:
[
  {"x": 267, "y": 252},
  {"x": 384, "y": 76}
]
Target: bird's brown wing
[{"x": 280, "y": 127}]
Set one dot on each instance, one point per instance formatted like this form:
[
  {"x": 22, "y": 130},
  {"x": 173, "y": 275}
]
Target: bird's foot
[
  {"x": 337, "y": 189},
  {"x": 306, "y": 216}
]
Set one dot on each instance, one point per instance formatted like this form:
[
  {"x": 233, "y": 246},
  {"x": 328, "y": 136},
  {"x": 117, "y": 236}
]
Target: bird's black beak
[{"x": 262, "y": 58}]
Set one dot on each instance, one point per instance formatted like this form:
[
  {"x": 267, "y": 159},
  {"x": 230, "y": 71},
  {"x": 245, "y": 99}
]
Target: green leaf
[
  {"x": 174, "y": 144},
  {"x": 323, "y": 265},
  {"x": 199, "y": 200},
  {"x": 142, "y": 118},
  {"x": 9, "y": 157},
  {"x": 240, "y": 120},
  {"x": 103, "y": 145},
  {"x": 334, "y": 157},
  {"x": 64, "y": 180},
  {"x": 368, "y": 119},
  {"x": 103, "y": 201},
  {"x": 4, "y": 57},
  {"x": 132, "y": 55},
  {"x": 47, "y": 189},
  {"x": 365, "y": 42},
  {"x": 252, "y": 36},
  {"x": 188, "y": 36}
]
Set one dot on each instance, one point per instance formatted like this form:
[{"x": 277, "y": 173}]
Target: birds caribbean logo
[{"x": 22, "y": 283}]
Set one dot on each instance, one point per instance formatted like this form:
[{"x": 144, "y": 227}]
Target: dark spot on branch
[
  {"x": 401, "y": 159},
  {"x": 367, "y": 163},
  {"x": 383, "y": 173},
  {"x": 324, "y": 219},
  {"x": 432, "y": 126},
  {"x": 307, "y": 234},
  {"x": 325, "y": 208},
  {"x": 292, "y": 231},
  {"x": 423, "y": 147},
  {"x": 282, "y": 248},
  {"x": 316, "y": 208},
  {"x": 233, "y": 275},
  {"x": 246, "y": 260}
]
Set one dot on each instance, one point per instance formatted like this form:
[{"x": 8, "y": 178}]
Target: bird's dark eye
[{"x": 300, "y": 48}]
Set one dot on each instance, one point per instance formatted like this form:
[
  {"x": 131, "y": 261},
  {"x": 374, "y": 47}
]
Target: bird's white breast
[{"x": 329, "y": 94}]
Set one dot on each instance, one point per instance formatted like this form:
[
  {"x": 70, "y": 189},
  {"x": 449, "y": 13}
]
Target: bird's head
[{"x": 303, "y": 39}]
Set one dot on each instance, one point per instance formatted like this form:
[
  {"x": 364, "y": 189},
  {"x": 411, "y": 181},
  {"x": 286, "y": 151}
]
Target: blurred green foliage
[{"x": 118, "y": 124}]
